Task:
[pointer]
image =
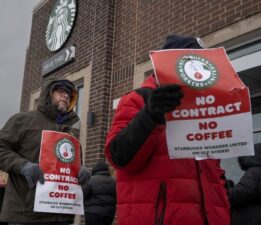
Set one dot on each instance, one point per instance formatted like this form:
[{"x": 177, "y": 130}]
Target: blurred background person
[
  {"x": 100, "y": 196},
  {"x": 245, "y": 196}
]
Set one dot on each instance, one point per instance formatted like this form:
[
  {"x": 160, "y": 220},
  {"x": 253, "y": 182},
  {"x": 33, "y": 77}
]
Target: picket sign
[
  {"x": 214, "y": 119},
  {"x": 60, "y": 162}
]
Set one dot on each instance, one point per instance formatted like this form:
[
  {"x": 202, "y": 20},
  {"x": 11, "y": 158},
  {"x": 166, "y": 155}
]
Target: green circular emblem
[
  {"x": 196, "y": 72},
  {"x": 65, "y": 150},
  {"x": 60, "y": 23}
]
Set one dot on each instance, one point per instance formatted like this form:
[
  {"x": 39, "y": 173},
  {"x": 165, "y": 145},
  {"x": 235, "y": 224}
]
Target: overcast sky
[{"x": 15, "y": 28}]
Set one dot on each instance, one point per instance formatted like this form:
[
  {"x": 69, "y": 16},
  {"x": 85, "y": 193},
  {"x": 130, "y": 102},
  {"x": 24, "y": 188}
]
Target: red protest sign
[
  {"x": 60, "y": 154},
  {"x": 206, "y": 123},
  {"x": 60, "y": 162}
]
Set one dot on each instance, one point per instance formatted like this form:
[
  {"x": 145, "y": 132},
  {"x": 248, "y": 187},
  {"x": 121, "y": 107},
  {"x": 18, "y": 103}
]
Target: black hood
[
  {"x": 100, "y": 167},
  {"x": 245, "y": 162}
]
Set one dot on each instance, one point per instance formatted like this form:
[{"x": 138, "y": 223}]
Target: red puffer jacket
[{"x": 151, "y": 188}]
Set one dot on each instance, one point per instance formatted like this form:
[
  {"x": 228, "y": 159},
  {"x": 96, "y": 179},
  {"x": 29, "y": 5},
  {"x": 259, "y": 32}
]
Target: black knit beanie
[
  {"x": 63, "y": 85},
  {"x": 180, "y": 42},
  {"x": 245, "y": 162},
  {"x": 100, "y": 166}
]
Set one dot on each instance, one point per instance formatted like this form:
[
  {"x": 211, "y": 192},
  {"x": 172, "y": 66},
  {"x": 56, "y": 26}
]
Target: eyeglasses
[{"x": 63, "y": 92}]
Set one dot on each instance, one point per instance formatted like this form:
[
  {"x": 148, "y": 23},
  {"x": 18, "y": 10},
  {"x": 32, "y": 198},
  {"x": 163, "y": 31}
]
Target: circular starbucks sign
[
  {"x": 196, "y": 71},
  {"x": 60, "y": 23},
  {"x": 65, "y": 150}
]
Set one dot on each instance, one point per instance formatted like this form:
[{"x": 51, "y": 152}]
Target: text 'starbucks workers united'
[
  {"x": 60, "y": 23},
  {"x": 196, "y": 72}
]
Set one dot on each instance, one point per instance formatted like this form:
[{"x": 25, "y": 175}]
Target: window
[
  {"x": 35, "y": 103},
  {"x": 34, "y": 97},
  {"x": 246, "y": 61},
  {"x": 141, "y": 71},
  {"x": 79, "y": 104}
]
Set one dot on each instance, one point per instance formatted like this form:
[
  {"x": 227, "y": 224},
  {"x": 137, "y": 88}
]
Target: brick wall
[
  {"x": 116, "y": 35},
  {"x": 92, "y": 36},
  {"x": 140, "y": 26}
]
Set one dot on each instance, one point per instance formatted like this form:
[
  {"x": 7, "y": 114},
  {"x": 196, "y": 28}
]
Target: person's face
[{"x": 60, "y": 98}]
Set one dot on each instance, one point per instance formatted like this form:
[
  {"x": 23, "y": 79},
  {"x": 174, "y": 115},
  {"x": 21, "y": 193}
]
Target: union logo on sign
[
  {"x": 196, "y": 71},
  {"x": 65, "y": 150},
  {"x": 60, "y": 23}
]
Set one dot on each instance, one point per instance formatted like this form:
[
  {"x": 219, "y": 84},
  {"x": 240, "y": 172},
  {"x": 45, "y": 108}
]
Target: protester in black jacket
[
  {"x": 245, "y": 197},
  {"x": 100, "y": 196}
]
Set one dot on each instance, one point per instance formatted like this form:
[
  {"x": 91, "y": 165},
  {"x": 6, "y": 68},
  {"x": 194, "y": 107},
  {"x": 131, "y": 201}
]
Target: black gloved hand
[
  {"x": 32, "y": 173},
  {"x": 162, "y": 100},
  {"x": 84, "y": 177}
]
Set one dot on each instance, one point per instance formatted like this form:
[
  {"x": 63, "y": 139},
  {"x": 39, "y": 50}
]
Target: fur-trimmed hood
[{"x": 44, "y": 103}]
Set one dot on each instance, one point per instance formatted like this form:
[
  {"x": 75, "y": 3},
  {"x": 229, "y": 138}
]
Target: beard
[{"x": 61, "y": 107}]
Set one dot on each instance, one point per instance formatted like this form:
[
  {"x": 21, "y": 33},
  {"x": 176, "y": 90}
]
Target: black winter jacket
[
  {"x": 100, "y": 196},
  {"x": 245, "y": 197}
]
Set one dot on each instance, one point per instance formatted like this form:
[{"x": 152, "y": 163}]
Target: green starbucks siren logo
[
  {"x": 65, "y": 150},
  {"x": 196, "y": 72},
  {"x": 60, "y": 23}
]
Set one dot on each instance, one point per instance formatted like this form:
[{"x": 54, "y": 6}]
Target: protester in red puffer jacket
[{"x": 151, "y": 188}]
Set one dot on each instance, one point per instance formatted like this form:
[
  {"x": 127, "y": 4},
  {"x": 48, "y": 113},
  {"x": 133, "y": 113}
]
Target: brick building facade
[{"x": 112, "y": 40}]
